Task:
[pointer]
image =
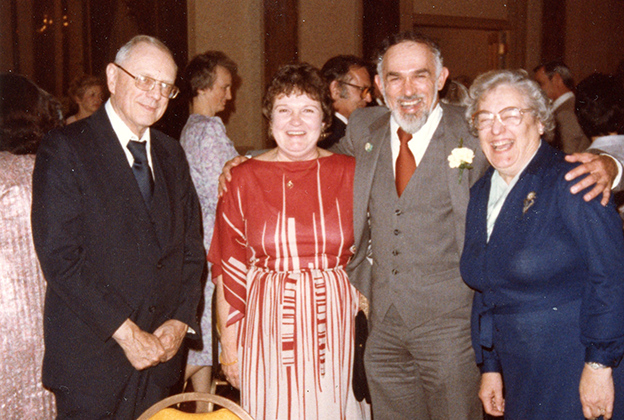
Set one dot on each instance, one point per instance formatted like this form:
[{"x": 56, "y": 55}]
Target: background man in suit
[
  {"x": 350, "y": 87},
  {"x": 409, "y": 219},
  {"x": 117, "y": 230},
  {"x": 556, "y": 80}
]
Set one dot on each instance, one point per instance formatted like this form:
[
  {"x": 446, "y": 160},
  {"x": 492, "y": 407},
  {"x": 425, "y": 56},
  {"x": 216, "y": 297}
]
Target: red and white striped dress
[{"x": 282, "y": 238}]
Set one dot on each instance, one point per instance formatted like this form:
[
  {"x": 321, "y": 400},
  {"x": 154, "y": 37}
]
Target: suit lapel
[
  {"x": 366, "y": 163},
  {"x": 113, "y": 169},
  {"x": 160, "y": 211},
  {"x": 518, "y": 202},
  {"x": 481, "y": 196},
  {"x": 460, "y": 191}
]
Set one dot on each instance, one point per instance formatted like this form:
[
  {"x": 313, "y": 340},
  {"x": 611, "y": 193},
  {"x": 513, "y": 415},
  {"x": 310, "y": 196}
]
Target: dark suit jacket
[
  {"x": 107, "y": 258},
  {"x": 542, "y": 253},
  {"x": 337, "y": 131}
]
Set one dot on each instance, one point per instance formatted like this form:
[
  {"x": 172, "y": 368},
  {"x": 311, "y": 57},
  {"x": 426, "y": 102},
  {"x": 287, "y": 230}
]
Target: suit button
[
  {"x": 395, "y": 252},
  {"x": 151, "y": 309},
  {"x": 397, "y": 231},
  {"x": 159, "y": 265},
  {"x": 395, "y": 272},
  {"x": 398, "y": 212}
]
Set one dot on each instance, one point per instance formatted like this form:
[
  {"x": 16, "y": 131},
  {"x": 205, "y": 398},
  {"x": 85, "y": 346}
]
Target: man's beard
[{"x": 411, "y": 123}]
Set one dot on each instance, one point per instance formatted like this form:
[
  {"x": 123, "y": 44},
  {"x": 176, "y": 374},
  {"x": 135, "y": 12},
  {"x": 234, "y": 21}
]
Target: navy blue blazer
[{"x": 547, "y": 247}]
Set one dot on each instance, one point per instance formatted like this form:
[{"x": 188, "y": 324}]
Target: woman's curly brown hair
[{"x": 299, "y": 79}]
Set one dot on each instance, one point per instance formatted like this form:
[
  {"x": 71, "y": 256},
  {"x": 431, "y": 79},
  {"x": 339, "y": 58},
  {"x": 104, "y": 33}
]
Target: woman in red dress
[{"x": 283, "y": 236}]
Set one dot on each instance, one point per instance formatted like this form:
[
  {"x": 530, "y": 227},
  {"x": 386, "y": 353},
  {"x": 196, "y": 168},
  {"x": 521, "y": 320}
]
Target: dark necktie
[
  {"x": 141, "y": 169},
  {"x": 405, "y": 163}
]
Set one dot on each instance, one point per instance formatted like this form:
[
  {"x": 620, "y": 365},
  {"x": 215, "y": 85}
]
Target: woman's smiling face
[
  {"x": 508, "y": 148},
  {"x": 296, "y": 124}
]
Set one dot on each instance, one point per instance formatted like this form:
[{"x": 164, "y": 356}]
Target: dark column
[
  {"x": 280, "y": 35},
  {"x": 44, "y": 43},
  {"x": 553, "y": 30},
  {"x": 382, "y": 18}
]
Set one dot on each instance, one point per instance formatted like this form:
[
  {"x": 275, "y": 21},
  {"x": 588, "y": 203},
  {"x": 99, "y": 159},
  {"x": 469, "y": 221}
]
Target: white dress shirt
[
  {"x": 341, "y": 117},
  {"x": 124, "y": 135},
  {"x": 557, "y": 102},
  {"x": 420, "y": 140}
]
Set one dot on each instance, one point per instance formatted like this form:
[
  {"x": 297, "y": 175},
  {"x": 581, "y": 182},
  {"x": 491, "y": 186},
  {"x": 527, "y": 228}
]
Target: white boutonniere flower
[{"x": 461, "y": 157}]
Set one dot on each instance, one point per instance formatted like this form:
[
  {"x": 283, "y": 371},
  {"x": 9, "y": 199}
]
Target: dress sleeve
[
  {"x": 598, "y": 232},
  {"x": 486, "y": 358},
  {"x": 228, "y": 250},
  {"x": 207, "y": 148}
]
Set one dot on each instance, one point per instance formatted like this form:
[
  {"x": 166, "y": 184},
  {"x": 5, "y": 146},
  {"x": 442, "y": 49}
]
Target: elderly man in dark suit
[
  {"x": 409, "y": 219},
  {"x": 116, "y": 226}
]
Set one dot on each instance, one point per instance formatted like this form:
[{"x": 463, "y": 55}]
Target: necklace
[
  {"x": 290, "y": 184},
  {"x": 276, "y": 158}
]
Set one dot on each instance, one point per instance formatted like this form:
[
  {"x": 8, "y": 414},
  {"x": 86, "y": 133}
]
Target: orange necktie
[{"x": 405, "y": 163}]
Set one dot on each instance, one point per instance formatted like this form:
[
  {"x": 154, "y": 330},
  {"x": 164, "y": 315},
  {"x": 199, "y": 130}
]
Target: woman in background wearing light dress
[
  {"x": 26, "y": 114},
  {"x": 283, "y": 235},
  {"x": 208, "y": 83}
]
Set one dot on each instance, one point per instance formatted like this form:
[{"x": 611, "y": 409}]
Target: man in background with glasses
[
  {"x": 350, "y": 87},
  {"x": 117, "y": 230}
]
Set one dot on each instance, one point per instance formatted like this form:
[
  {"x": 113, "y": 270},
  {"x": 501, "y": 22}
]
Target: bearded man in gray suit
[{"x": 408, "y": 238}]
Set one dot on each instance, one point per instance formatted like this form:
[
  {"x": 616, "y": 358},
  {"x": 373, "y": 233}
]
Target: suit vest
[{"x": 414, "y": 245}]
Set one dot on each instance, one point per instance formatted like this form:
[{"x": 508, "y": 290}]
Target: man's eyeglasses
[
  {"x": 509, "y": 117},
  {"x": 364, "y": 90},
  {"x": 147, "y": 83}
]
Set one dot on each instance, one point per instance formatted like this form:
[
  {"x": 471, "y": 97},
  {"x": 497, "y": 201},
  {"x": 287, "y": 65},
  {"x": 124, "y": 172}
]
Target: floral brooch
[
  {"x": 529, "y": 201},
  {"x": 461, "y": 157}
]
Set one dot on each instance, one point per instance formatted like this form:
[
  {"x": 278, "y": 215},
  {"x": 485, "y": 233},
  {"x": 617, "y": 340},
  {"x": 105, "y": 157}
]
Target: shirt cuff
[{"x": 618, "y": 178}]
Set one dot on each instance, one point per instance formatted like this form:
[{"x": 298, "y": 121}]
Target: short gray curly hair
[{"x": 519, "y": 80}]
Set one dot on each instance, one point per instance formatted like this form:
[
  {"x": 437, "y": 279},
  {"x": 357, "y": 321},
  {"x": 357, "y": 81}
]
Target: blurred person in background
[
  {"x": 88, "y": 93},
  {"x": 454, "y": 93},
  {"x": 555, "y": 78},
  {"x": 350, "y": 88},
  {"x": 600, "y": 112},
  {"x": 208, "y": 85},
  {"x": 27, "y": 113}
]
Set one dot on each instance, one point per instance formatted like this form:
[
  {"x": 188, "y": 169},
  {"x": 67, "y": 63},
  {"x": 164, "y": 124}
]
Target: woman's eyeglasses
[{"x": 509, "y": 117}]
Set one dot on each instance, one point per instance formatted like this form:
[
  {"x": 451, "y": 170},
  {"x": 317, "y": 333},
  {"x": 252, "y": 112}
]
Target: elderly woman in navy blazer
[{"x": 547, "y": 268}]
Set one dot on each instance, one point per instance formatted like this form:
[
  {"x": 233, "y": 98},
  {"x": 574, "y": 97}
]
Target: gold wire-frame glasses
[{"x": 147, "y": 83}]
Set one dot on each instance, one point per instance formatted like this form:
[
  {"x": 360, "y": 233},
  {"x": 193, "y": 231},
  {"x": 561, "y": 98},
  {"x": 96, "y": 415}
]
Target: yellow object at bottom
[{"x": 173, "y": 414}]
